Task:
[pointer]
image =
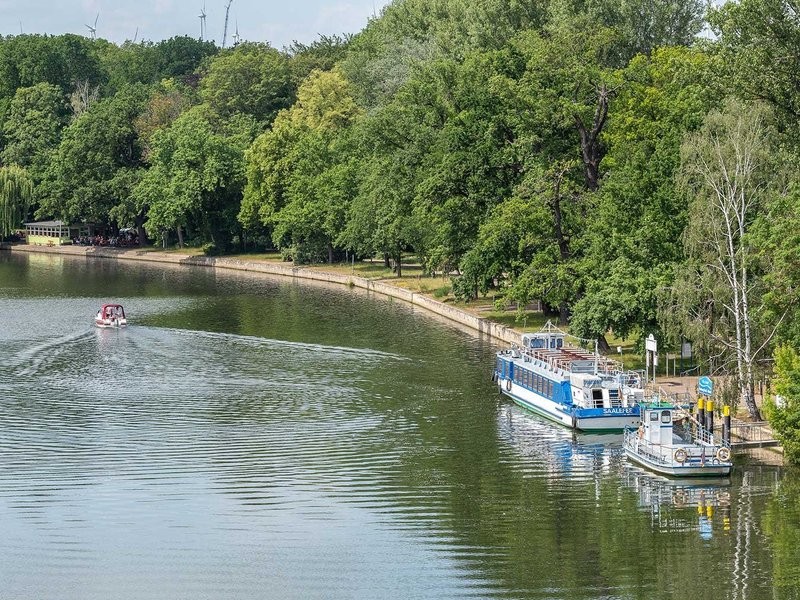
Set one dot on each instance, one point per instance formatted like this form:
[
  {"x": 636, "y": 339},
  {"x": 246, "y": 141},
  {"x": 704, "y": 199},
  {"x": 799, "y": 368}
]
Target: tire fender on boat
[
  {"x": 574, "y": 422},
  {"x": 724, "y": 454},
  {"x": 494, "y": 375},
  {"x": 680, "y": 455},
  {"x": 508, "y": 385}
]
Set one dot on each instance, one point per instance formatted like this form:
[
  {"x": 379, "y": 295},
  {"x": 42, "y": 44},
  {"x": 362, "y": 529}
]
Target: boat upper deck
[{"x": 574, "y": 360}]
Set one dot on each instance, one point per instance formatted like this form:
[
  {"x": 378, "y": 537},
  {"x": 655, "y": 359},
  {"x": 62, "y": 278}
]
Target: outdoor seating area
[{"x": 58, "y": 233}]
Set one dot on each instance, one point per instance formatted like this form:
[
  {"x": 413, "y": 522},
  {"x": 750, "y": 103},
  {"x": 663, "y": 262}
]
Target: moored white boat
[
  {"x": 675, "y": 450},
  {"x": 110, "y": 315},
  {"x": 568, "y": 384}
]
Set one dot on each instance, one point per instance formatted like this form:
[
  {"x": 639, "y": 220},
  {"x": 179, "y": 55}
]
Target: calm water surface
[{"x": 249, "y": 437}]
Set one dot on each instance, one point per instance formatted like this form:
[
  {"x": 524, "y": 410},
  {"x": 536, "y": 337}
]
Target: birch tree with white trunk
[{"x": 725, "y": 172}]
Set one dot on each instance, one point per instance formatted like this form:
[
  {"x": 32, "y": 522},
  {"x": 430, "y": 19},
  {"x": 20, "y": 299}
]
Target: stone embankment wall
[{"x": 483, "y": 326}]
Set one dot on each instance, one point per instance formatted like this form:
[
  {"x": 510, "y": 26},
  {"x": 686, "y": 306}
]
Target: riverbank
[{"x": 481, "y": 325}]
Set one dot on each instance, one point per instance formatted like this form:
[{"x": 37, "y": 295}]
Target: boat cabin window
[
  {"x": 556, "y": 343},
  {"x": 666, "y": 416},
  {"x": 537, "y": 343},
  {"x": 654, "y": 416}
]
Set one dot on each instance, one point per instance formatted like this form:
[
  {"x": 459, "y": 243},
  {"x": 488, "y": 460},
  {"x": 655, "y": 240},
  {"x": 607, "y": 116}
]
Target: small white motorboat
[
  {"x": 110, "y": 315},
  {"x": 684, "y": 449}
]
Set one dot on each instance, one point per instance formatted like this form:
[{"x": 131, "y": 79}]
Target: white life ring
[
  {"x": 680, "y": 455},
  {"x": 508, "y": 385},
  {"x": 724, "y": 454}
]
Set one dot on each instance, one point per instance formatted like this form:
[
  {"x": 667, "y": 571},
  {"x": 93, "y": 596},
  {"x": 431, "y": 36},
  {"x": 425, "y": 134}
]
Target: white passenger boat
[
  {"x": 683, "y": 449},
  {"x": 110, "y": 315},
  {"x": 568, "y": 384}
]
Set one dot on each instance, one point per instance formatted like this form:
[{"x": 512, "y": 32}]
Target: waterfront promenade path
[{"x": 498, "y": 332}]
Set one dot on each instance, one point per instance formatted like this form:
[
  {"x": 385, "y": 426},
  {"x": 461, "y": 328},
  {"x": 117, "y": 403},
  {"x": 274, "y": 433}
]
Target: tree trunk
[
  {"x": 140, "y": 232},
  {"x": 563, "y": 313},
  {"x": 386, "y": 262},
  {"x": 591, "y": 151},
  {"x": 330, "y": 253},
  {"x": 399, "y": 264},
  {"x": 602, "y": 345},
  {"x": 180, "y": 236}
]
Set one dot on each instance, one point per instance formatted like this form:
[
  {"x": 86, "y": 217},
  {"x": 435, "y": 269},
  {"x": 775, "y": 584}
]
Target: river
[{"x": 255, "y": 437}]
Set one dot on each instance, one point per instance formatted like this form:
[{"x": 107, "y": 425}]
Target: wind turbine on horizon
[
  {"x": 203, "y": 22},
  {"x": 236, "y": 36},
  {"x": 93, "y": 28},
  {"x": 225, "y": 30}
]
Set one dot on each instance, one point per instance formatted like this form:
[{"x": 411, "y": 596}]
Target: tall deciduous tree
[
  {"x": 16, "y": 195},
  {"x": 760, "y": 43},
  {"x": 33, "y": 129},
  {"x": 637, "y": 216},
  {"x": 300, "y": 175},
  {"x": 96, "y": 162},
  {"x": 725, "y": 172},
  {"x": 252, "y": 79},
  {"x": 195, "y": 180}
]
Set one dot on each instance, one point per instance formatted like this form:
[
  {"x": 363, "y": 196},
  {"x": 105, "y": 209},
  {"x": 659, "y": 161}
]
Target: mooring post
[
  {"x": 726, "y": 424},
  {"x": 701, "y": 416},
  {"x": 710, "y": 416}
]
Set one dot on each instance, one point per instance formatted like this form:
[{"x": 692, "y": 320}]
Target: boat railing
[
  {"x": 697, "y": 447},
  {"x": 577, "y": 360},
  {"x": 643, "y": 447}
]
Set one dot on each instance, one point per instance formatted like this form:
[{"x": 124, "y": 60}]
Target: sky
[{"x": 274, "y": 21}]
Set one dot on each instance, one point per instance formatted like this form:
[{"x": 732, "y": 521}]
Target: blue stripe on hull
[{"x": 588, "y": 419}]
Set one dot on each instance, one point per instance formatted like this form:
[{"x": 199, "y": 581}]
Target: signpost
[
  {"x": 651, "y": 348},
  {"x": 705, "y": 386}
]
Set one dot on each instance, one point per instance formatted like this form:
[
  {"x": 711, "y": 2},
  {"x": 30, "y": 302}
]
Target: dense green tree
[
  {"x": 322, "y": 55},
  {"x": 167, "y": 102},
  {"x": 16, "y": 196},
  {"x": 776, "y": 237},
  {"x": 641, "y": 26},
  {"x": 783, "y": 411},
  {"x": 638, "y": 215},
  {"x": 759, "y": 41},
  {"x": 252, "y": 79},
  {"x": 97, "y": 160},
  {"x": 37, "y": 116},
  {"x": 26, "y": 60},
  {"x": 149, "y": 62},
  {"x": 300, "y": 174},
  {"x": 194, "y": 182},
  {"x": 469, "y": 168}
]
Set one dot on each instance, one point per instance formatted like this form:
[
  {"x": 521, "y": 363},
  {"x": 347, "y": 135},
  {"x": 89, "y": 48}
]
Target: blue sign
[{"x": 705, "y": 386}]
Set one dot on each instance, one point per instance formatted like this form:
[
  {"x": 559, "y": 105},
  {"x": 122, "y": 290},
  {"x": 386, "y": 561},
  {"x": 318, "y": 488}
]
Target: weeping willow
[{"x": 16, "y": 194}]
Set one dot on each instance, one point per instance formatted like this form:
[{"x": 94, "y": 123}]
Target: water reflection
[
  {"x": 556, "y": 450},
  {"x": 679, "y": 505}
]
